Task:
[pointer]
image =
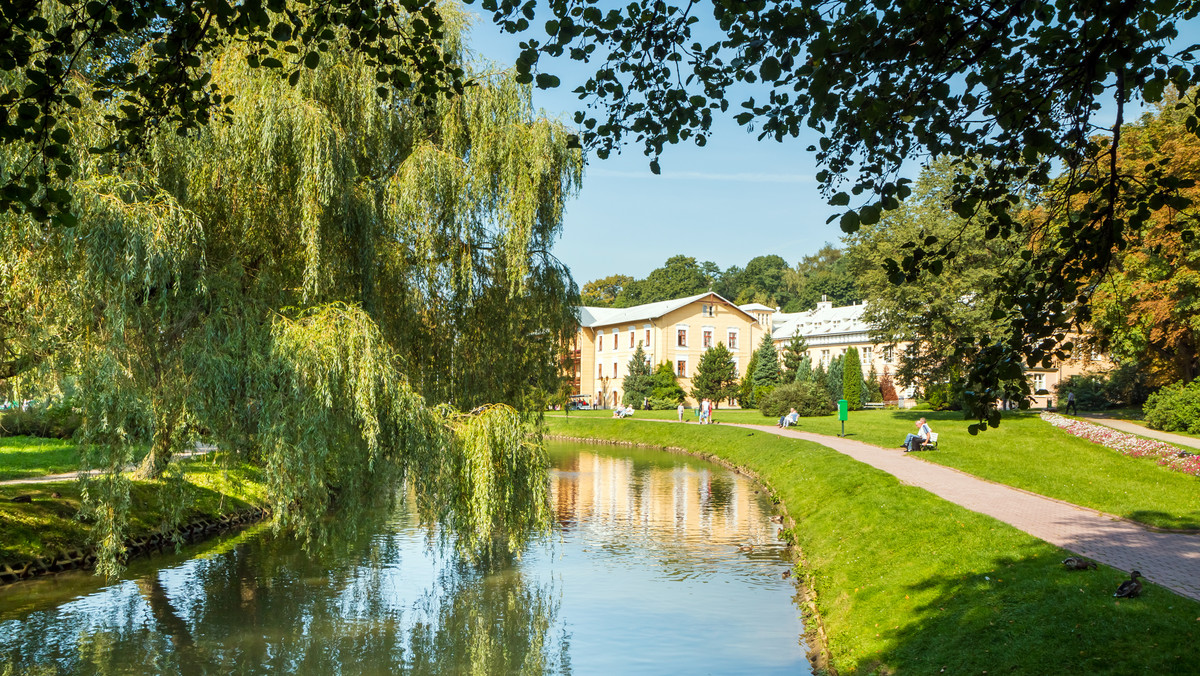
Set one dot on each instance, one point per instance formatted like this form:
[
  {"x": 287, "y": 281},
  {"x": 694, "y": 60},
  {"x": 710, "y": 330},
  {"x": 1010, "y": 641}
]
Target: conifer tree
[
  {"x": 637, "y": 382},
  {"x": 874, "y": 393},
  {"x": 716, "y": 375},
  {"x": 804, "y": 372},
  {"x": 746, "y": 385},
  {"x": 793, "y": 354},
  {"x": 766, "y": 371},
  {"x": 852, "y": 380},
  {"x": 666, "y": 388},
  {"x": 833, "y": 379}
]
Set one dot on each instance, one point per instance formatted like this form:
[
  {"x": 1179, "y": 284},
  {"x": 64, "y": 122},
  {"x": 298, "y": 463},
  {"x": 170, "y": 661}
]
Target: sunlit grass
[
  {"x": 910, "y": 583},
  {"x": 22, "y": 457},
  {"x": 1024, "y": 452}
]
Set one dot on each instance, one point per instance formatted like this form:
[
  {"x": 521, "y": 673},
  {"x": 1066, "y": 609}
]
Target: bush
[
  {"x": 1175, "y": 408},
  {"x": 660, "y": 404},
  {"x": 58, "y": 422},
  {"x": 807, "y": 397},
  {"x": 944, "y": 397},
  {"x": 1125, "y": 385}
]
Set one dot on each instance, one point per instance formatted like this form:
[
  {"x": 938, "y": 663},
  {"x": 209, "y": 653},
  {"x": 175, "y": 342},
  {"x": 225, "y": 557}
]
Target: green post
[{"x": 843, "y": 413}]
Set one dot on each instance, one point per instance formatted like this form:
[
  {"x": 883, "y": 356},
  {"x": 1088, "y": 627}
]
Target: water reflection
[{"x": 644, "y": 576}]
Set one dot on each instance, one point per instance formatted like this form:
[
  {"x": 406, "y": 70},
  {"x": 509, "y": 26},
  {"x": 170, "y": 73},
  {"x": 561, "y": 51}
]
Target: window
[
  {"x": 733, "y": 338},
  {"x": 614, "y": 369},
  {"x": 631, "y": 332},
  {"x": 599, "y": 341},
  {"x": 736, "y": 372},
  {"x": 708, "y": 310},
  {"x": 681, "y": 337},
  {"x": 707, "y": 342},
  {"x": 887, "y": 354},
  {"x": 600, "y": 372},
  {"x": 681, "y": 368},
  {"x": 647, "y": 339},
  {"x": 824, "y": 356},
  {"x": 866, "y": 355},
  {"x": 1039, "y": 382}
]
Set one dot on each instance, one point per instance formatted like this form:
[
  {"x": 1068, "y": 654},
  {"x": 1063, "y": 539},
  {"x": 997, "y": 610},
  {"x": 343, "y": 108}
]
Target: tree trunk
[{"x": 156, "y": 460}]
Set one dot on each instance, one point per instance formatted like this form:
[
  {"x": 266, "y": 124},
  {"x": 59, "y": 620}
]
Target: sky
[{"x": 732, "y": 200}]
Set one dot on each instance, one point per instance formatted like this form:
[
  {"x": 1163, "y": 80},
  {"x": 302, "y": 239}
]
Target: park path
[
  {"x": 1141, "y": 430},
  {"x": 1171, "y": 560}
]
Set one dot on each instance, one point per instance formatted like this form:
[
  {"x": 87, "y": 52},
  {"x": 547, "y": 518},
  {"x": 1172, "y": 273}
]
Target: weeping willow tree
[{"x": 319, "y": 282}]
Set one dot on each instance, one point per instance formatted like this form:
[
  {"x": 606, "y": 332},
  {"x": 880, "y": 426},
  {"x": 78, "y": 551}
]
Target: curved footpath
[
  {"x": 1171, "y": 560},
  {"x": 1143, "y": 431}
]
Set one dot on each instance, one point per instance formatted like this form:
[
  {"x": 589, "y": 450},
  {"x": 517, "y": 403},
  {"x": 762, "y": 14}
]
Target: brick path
[
  {"x": 1142, "y": 431},
  {"x": 1171, "y": 560}
]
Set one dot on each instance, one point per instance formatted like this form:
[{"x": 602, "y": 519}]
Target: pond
[{"x": 647, "y": 572}]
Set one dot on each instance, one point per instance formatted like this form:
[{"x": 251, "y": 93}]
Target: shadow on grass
[
  {"x": 1032, "y": 616},
  {"x": 1186, "y": 522}
]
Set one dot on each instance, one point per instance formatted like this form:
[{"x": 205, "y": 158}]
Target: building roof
[
  {"x": 824, "y": 320},
  {"x": 592, "y": 317},
  {"x": 757, "y": 307}
]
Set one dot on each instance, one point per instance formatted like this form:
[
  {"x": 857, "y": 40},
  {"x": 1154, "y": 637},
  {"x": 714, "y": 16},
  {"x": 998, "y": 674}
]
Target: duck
[
  {"x": 1078, "y": 563},
  {"x": 746, "y": 548},
  {"x": 778, "y": 518},
  {"x": 1131, "y": 587},
  {"x": 787, "y": 574}
]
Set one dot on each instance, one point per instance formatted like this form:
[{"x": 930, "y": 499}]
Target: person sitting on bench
[
  {"x": 789, "y": 419},
  {"x": 913, "y": 442}
]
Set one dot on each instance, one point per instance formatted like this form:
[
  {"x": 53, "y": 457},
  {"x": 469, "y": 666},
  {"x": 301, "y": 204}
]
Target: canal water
[{"x": 659, "y": 564}]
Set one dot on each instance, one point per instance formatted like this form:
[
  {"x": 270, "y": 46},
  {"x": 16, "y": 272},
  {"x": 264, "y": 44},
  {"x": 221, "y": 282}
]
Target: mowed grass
[
  {"x": 23, "y": 457},
  {"x": 48, "y": 525},
  {"x": 910, "y": 583},
  {"x": 1025, "y": 452}
]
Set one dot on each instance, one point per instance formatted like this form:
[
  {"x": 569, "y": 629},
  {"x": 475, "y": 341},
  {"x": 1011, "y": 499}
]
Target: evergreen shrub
[
  {"x": 808, "y": 398},
  {"x": 1175, "y": 408}
]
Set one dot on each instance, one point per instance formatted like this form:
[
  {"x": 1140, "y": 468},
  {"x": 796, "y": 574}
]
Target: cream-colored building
[
  {"x": 830, "y": 331},
  {"x": 675, "y": 331}
]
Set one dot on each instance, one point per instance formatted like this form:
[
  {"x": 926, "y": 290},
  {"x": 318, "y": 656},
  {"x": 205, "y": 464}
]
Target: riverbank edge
[
  {"x": 814, "y": 627},
  {"x": 84, "y": 558}
]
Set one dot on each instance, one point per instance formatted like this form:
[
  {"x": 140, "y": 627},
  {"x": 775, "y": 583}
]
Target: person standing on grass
[
  {"x": 680, "y": 410},
  {"x": 1071, "y": 410}
]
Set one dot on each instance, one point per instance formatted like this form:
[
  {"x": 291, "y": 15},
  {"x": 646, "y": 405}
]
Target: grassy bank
[
  {"x": 47, "y": 524},
  {"x": 22, "y": 457},
  {"x": 1024, "y": 452},
  {"x": 910, "y": 583}
]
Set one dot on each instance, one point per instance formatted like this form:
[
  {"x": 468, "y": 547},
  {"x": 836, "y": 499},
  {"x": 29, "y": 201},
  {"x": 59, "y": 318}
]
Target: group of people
[
  {"x": 914, "y": 442},
  {"x": 623, "y": 412},
  {"x": 704, "y": 411}
]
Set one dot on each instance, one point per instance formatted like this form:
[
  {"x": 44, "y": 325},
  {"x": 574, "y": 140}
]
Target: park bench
[
  {"x": 932, "y": 443},
  {"x": 873, "y": 404}
]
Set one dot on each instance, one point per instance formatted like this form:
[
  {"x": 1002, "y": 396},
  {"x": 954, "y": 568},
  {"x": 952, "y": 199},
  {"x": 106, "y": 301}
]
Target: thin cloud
[{"x": 704, "y": 176}]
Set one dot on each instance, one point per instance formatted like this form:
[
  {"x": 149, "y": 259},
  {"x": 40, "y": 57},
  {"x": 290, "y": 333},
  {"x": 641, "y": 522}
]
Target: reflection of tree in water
[
  {"x": 268, "y": 606},
  {"x": 720, "y": 492}
]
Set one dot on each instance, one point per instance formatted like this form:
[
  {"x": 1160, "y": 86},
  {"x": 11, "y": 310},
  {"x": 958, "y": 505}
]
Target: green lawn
[
  {"x": 22, "y": 457},
  {"x": 910, "y": 583},
  {"x": 48, "y": 524},
  {"x": 1024, "y": 452}
]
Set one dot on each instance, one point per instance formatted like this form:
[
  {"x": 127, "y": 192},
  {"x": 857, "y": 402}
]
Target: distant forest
[{"x": 765, "y": 279}]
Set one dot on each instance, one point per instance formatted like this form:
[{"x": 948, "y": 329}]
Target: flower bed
[{"x": 1128, "y": 444}]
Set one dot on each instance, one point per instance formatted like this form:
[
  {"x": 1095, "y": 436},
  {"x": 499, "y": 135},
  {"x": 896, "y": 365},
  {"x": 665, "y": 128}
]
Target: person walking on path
[
  {"x": 680, "y": 411},
  {"x": 705, "y": 411},
  {"x": 1071, "y": 410}
]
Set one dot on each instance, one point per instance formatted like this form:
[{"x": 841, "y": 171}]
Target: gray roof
[
  {"x": 821, "y": 321},
  {"x": 592, "y": 317},
  {"x": 757, "y": 307}
]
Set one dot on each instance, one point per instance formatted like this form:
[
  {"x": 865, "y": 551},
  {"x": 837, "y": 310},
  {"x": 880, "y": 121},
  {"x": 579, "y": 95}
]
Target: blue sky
[{"x": 732, "y": 200}]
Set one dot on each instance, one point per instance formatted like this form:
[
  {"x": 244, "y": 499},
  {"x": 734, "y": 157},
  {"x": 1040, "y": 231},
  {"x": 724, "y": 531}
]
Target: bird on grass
[
  {"x": 1131, "y": 587},
  {"x": 1078, "y": 563}
]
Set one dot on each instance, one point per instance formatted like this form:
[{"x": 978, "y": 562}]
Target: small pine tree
[
  {"x": 766, "y": 371},
  {"x": 852, "y": 379},
  {"x": 833, "y": 379},
  {"x": 794, "y": 355},
  {"x": 886, "y": 389},
  {"x": 637, "y": 383},
  {"x": 716, "y": 375},
  {"x": 804, "y": 372},
  {"x": 746, "y": 386},
  {"x": 666, "y": 391}
]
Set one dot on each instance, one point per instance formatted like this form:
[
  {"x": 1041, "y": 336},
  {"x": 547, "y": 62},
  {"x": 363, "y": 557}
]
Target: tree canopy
[
  {"x": 716, "y": 375},
  {"x": 307, "y": 281}
]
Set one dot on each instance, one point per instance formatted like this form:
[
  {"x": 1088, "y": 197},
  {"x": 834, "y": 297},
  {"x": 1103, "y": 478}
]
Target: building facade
[{"x": 677, "y": 331}]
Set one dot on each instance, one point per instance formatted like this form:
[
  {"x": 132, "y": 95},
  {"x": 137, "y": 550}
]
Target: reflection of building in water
[{"x": 611, "y": 491}]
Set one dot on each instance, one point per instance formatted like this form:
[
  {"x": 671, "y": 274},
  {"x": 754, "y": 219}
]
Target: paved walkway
[
  {"x": 1142, "y": 430},
  {"x": 200, "y": 449},
  {"x": 1171, "y": 560}
]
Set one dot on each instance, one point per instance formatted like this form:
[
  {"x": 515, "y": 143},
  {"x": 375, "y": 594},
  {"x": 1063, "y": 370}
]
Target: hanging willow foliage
[{"x": 306, "y": 281}]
